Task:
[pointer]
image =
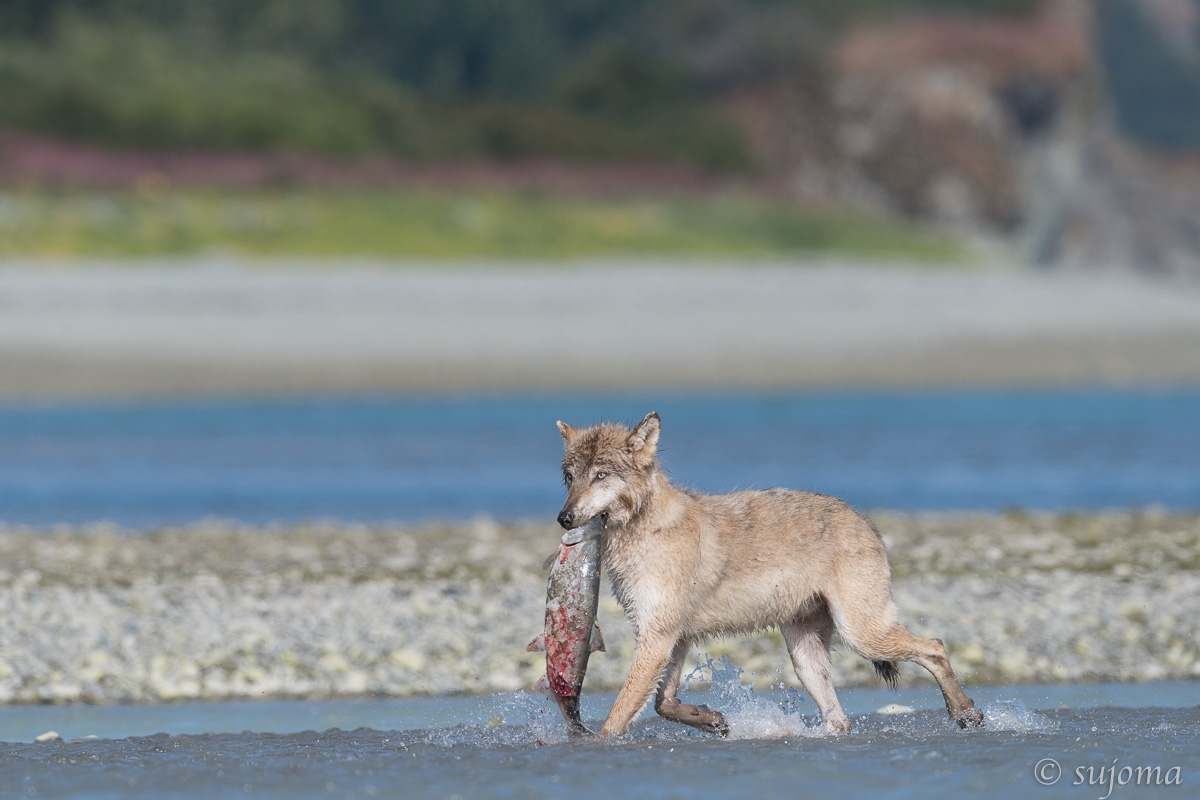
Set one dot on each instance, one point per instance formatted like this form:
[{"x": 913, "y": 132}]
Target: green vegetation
[
  {"x": 438, "y": 225},
  {"x": 134, "y": 86},
  {"x": 421, "y": 79}
]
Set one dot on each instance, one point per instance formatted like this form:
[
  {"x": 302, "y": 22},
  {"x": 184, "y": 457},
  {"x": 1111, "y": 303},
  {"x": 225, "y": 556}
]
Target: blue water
[
  {"x": 21, "y": 723},
  {"x": 514, "y": 746},
  {"x": 416, "y": 458}
]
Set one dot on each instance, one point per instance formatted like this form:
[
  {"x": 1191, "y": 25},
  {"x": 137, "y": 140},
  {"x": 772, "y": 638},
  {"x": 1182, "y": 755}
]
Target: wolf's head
[{"x": 609, "y": 471}]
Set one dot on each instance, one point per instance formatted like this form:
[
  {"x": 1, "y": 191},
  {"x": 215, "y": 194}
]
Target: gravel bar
[
  {"x": 218, "y": 611},
  {"x": 232, "y": 326}
]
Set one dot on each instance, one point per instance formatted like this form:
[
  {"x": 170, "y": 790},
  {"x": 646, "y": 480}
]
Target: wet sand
[{"x": 223, "y": 325}]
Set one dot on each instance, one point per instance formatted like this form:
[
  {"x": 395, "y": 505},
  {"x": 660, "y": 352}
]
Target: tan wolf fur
[{"x": 687, "y": 566}]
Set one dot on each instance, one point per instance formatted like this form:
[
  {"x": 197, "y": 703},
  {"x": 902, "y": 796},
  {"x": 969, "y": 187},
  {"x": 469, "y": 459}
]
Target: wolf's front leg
[
  {"x": 649, "y": 660},
  {"x": 669, "y": 707}
]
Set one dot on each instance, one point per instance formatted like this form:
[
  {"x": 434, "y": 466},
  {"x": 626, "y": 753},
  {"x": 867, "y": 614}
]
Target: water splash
[
  {"x": 539, "y": 720},
  {"x": 1013, "y": 715},
  {"x": 505, "y": 719},
  {"x": 751, "y": 716}
]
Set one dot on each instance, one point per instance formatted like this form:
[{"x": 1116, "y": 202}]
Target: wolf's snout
[{"x": 566, "y": 519}]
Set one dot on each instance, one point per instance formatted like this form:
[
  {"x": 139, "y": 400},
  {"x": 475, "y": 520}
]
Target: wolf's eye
[
  {"x": 568, "y": 477},
  {"x": 601, "y": 476}
]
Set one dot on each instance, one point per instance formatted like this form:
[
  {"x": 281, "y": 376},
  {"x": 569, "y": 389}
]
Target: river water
[
  {"x": 514, "y": 745},
  {"x": 454, "y": 457},
  {"x": 412, "y": 459}
]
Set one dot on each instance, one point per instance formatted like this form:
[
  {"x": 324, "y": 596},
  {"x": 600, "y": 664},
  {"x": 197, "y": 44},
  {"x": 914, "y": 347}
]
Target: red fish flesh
[{"x": 572, "y": 597}]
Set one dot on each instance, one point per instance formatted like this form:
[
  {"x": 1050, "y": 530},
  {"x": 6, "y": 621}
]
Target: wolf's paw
[
  {"x": 701, "y": 717},
  {"x": 837, "y": 726},
  {"x": 711, "y": 721},
  {"x": 969, "y": 717}
]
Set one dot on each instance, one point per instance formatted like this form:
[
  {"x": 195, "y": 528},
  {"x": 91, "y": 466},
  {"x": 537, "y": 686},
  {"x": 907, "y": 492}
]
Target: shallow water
[
  {"x": 513, "y": 745},
  {"x": 459, "y": 456}
]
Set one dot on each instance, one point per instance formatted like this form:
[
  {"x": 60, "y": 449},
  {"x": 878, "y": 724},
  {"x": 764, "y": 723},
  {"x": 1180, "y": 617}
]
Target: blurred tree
[
  {"x": 424, "y": 78},
  {"x": 624, "y": 81},
  {"x": 460, "y": 48},
  {"x": 474, "y": 48},
  {"x": 1155, "y": 91},
  {"x": 126, "y": 82}
]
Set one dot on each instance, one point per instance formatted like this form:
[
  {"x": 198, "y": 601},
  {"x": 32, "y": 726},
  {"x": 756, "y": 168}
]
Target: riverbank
[
  {"x": 224, "y": 325},
  {"x": 217, "y": 611}
]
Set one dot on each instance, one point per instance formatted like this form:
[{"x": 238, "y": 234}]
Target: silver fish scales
[{"x": 571, "y": 634}]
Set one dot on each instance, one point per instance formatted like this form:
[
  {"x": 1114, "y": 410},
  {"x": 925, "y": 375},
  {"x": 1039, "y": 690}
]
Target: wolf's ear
[
  {"x": 644, "y": 439},
  {"x": 568, "y": 431}
]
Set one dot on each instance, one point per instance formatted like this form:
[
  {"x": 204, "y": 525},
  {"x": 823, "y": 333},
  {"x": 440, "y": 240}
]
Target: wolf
[{"x": 687, "y": 566}]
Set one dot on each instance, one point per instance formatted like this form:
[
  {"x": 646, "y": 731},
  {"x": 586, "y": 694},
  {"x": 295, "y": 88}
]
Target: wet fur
[{"x": 687, "y": 566}]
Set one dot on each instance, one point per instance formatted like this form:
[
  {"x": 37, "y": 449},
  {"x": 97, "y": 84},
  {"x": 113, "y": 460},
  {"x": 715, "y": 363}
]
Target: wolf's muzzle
[{"x": 566, "y": 519}]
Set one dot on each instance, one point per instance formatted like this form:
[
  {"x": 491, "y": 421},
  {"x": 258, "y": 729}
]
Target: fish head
[{"x": 583, "y": 533}]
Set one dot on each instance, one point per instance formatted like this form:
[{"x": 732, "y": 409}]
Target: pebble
[{"x": 219, "y": 611}]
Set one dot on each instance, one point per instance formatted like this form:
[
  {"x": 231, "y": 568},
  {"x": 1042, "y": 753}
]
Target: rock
[
  {"x": 219, "y": 612},
  {"x": 971, "y": 653},
  {"x": 407, "y": 659},
  {"x": 48, "y": 736}
]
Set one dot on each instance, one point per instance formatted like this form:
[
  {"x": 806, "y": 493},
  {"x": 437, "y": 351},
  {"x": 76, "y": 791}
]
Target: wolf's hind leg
[
  {"x": 808, "y": 639},
  {"x": 931, "y": 654},
  {"x": 668, "y": 707},
  {"x": 874, "y": 632}
]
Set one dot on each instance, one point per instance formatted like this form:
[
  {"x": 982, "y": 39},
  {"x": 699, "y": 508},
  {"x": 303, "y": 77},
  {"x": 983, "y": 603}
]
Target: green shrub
[
  {"x": 587, "y": 80},
  {"x": 132, "y": 86}
]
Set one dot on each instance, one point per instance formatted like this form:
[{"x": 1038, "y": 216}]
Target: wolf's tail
[{"x": 889, "y": 671}]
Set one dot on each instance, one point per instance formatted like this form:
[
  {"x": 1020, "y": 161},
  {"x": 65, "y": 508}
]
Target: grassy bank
[{"x": 437, "y": 224}]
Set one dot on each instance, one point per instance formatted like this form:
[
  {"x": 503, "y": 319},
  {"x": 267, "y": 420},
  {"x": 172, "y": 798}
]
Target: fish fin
[
  {"x": 538, "y": 645},
  {"x": 549, "y": 562},
  {"x": 542, "y": 685},
  {"x": 597, "y": 640}
]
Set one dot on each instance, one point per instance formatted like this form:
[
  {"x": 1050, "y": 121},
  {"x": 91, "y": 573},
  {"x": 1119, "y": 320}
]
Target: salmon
[{"x": 571, "y": 635}]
